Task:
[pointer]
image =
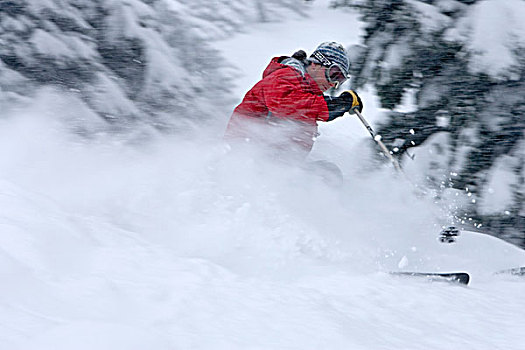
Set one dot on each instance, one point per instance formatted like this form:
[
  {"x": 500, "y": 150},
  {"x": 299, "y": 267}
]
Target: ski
[
  {"x": 452, "y": 277},
  {"x": 518, "y": 271}
]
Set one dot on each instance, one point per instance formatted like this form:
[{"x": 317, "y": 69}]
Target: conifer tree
[
  {"x": 431, "y": 50},
  {"x": 130, "y": 62}
]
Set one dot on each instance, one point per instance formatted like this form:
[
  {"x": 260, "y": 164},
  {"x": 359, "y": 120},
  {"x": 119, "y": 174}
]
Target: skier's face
[{"x": 317, "y": 72}]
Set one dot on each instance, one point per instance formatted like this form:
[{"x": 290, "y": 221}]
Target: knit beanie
[{"x": 329, "y": 53}]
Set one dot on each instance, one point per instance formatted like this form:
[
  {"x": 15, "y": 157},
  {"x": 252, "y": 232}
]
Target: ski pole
[{"x": 377, "y": 138}]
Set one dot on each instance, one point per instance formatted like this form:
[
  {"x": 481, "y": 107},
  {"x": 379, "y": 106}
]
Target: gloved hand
[
  {"x": 352, "y": 100},
  {"x": 337, "y": 106}
]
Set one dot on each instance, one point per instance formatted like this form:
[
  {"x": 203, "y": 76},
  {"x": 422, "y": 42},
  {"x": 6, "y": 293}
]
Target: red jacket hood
[{"x": 274, "y": 65}]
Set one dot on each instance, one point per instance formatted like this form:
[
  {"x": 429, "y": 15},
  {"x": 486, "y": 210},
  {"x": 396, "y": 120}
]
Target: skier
[{"x": 282, "y": 109}]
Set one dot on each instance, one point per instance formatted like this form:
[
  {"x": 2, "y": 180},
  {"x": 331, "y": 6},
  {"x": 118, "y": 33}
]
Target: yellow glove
[{"x": 352, "y": 101}]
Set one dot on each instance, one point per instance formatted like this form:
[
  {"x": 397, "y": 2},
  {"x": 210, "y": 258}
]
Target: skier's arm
[{"x": 339, "y": 105}]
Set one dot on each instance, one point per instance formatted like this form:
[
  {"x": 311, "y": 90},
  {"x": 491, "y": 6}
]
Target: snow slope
[{"x": 179, "y": 244}]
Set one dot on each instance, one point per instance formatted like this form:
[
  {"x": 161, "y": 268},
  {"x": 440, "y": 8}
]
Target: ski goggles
[{"x": 334, "y": 73}]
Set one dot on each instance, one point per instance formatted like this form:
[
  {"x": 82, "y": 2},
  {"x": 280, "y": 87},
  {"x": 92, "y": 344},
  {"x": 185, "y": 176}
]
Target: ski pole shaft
[
  {"x": 377, "y": 138},
  {"x": 365, "y": 123}
]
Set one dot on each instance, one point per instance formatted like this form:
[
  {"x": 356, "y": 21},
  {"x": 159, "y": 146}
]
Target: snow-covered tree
[
  {"x": 128, "y": 61},
  {"x": 462, "y": 63}
]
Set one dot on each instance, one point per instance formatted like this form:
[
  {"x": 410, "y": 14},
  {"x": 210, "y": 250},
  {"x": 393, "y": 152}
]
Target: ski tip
[
  {"x": 516, "y": 271},
  {"x": 451, "y": 277}
]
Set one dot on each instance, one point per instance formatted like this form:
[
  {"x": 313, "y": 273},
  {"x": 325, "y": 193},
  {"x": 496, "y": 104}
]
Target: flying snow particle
[{"x": 403, "y": 262}]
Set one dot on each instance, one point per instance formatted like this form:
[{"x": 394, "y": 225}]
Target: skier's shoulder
[
  {"x": 285, "y": 66},
  {"x": 295, "y": 64}
]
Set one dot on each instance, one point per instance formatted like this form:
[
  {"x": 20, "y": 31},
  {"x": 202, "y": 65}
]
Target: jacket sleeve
[
  {"x": 337, "y": 107},
  {"x": 285, "y": 95}
]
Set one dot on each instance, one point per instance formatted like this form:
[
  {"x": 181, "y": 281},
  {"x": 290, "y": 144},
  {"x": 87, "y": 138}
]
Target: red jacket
[{"x": 283, "y": 94}]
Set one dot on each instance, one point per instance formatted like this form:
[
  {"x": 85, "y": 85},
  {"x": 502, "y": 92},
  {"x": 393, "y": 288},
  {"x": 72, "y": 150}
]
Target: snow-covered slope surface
[{"x": 179, "y": 244}]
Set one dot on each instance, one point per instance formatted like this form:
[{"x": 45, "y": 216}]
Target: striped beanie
[{"x": 329, "y": 53}]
